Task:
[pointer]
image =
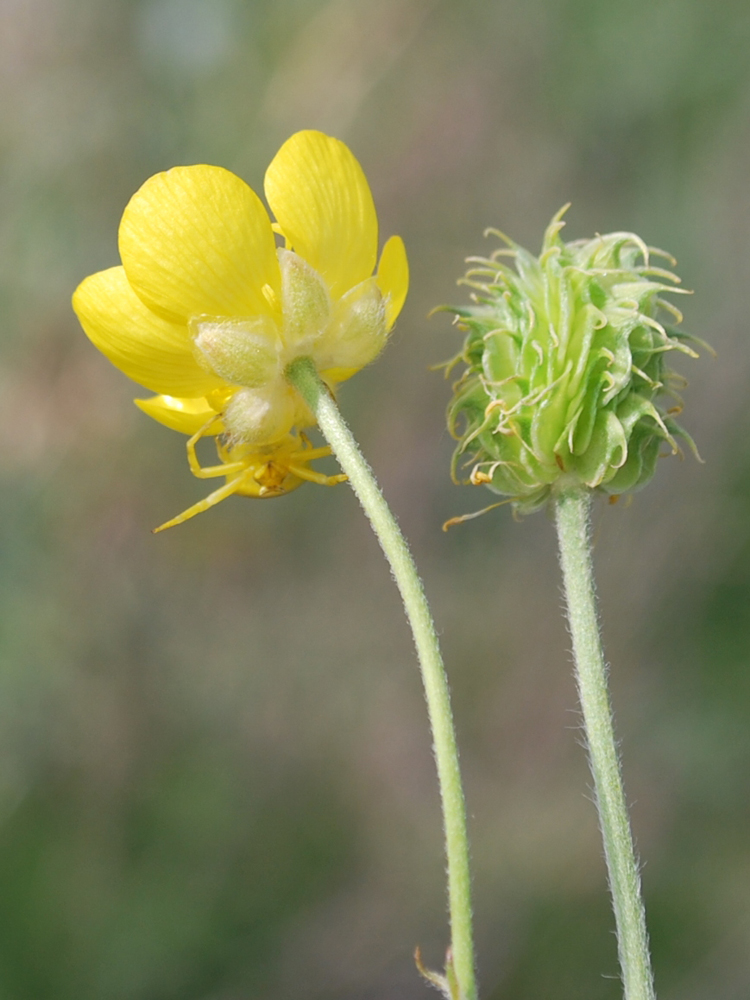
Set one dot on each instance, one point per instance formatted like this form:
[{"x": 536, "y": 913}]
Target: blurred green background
[{"x": 215, "y": 772}]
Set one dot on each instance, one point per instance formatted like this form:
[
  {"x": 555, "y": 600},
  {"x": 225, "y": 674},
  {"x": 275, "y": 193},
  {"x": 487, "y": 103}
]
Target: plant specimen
[
  {"x": 565, "y": 393},
  {"x": 246, "y": 341}
]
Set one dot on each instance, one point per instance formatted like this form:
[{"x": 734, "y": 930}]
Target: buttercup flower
[
  {"x": 565, "y": 377},
  {"x": 207, "y": 311}
]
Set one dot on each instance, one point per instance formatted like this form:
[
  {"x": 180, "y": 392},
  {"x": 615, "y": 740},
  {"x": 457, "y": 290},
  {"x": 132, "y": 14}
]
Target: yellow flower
[{"x": 208, "y": 312}]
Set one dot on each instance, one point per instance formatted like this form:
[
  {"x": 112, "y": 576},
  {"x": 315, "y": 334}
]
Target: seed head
[{"x": 566, "y": 377}]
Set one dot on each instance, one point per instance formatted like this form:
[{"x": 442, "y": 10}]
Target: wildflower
[
  {"x": 207, "y": 312},
  {"x": 565, "y": 373}
]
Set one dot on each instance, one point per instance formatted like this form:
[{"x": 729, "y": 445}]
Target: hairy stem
[
  {"x": 572, "y": 519},
  {"x": 303, "y": 375}
]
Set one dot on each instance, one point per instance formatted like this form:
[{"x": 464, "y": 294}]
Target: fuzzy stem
[
  {"x": 303, "y": 375},
  {"x": 572, "y": 519}
]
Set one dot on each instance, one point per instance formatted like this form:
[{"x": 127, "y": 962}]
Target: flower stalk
[
  {"x": 572, "y": 505},
  {"x": 459, "y": 981}
]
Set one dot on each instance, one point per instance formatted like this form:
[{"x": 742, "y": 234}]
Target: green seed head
[{"x": 566, "y": 377}]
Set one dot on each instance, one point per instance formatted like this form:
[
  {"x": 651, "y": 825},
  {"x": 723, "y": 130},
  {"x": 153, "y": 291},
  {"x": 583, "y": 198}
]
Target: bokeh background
[{"x": 215, "y": 771}]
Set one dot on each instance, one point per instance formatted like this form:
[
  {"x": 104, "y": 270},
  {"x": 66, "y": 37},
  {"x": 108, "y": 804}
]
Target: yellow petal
[
  {"x": 197, "y": 240},
  {"x": 151, "y": 351},
  {"x": 321, "y": 199},
  {"x": 184, "y": 415},
  {"x": 393, "y": 277}
]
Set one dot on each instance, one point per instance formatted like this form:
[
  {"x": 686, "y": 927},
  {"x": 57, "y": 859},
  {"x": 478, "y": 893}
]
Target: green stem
[
  {"x": 303, "y": 375},
  {"x": 572, "y": 519}
]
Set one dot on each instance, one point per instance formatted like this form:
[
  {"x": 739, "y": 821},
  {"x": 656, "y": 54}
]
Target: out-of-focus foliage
[{"x": 215, "y": 773}]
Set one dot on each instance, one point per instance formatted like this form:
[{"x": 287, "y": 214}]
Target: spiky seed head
[{"x": 565, "y": 374}]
